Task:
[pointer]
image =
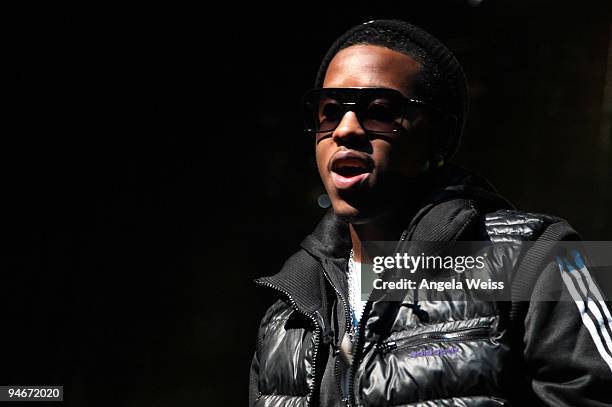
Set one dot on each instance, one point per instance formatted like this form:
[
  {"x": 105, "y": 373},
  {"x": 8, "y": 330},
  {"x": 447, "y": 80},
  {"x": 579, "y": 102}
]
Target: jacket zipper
[
  {"x": 359, "y": 338},
  {"x": 436, "y": 337},
  {"x": 358, "y": 341},
  {"x": 347, "y": 323},
  {"x": 317, "y": 337},
  {"x": 358, "y": 344}
]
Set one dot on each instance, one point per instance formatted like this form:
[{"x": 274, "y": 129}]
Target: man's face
[{"x": 365, "y": 173}]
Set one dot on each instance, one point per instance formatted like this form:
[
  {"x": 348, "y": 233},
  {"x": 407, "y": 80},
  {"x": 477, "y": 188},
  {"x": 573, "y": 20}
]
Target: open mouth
[{"x": 350, "y": 167}]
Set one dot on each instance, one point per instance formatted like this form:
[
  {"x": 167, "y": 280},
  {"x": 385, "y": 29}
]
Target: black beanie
[{"x": 446, "y": 86}]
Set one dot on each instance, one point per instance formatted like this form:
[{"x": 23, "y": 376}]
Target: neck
[
  {"x": 386, "y": 227},
  {"x": 390, "y": 225}
]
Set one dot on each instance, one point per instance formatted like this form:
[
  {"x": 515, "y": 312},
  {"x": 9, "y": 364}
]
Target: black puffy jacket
[{"x": 429, "y": 353}]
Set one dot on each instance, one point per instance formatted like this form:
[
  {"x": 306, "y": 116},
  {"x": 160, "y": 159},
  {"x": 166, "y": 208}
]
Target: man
[{"x": 386, "y": 115}]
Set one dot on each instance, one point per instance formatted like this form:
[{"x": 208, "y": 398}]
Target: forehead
[{"x": 372, "y": 66}]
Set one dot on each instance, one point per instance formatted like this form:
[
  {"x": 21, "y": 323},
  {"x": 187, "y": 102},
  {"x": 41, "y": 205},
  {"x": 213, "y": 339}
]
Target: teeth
[
  {"x": 351, "y": 169},
  {"x": 351, "y": 165}
]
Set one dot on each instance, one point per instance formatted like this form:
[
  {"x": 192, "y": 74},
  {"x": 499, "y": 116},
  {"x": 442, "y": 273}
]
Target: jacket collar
[{"x": 452, "y": 199}]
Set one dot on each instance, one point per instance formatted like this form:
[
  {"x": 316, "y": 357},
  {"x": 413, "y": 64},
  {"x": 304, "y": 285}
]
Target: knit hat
[{"x": 441, "y": 83}]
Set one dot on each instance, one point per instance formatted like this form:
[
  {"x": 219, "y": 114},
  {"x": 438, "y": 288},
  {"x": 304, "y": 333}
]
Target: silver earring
[{"x": 437, "y": 161}]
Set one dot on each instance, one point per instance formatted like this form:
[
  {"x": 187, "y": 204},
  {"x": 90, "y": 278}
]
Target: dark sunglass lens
[
  {"x": 382, "y": 115},
  {"x": 329, "y": 114}
]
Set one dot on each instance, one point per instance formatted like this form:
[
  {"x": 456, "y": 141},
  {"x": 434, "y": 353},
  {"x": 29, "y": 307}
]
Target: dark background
[{"x": 153, "y": 165}]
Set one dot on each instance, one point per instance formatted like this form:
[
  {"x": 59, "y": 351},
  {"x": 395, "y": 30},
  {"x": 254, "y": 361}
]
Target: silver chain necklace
[{"x": 352, "y": 286}]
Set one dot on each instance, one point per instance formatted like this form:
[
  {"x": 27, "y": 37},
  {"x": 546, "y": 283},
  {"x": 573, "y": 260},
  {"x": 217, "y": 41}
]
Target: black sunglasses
[{"x": 379, "y": 110}]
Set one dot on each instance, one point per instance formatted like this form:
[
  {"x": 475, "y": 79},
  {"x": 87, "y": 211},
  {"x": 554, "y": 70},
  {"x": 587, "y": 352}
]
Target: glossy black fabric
[{"x": 297, "y": 362}]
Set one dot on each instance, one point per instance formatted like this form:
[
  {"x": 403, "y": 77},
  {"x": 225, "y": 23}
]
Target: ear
[{"x": 445, "y": 131}]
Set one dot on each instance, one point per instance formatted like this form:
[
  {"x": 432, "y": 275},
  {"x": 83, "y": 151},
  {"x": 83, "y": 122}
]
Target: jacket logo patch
[{"x": 435, "y": 352}]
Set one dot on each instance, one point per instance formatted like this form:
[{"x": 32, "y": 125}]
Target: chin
[{"x": 353, "y": 214}]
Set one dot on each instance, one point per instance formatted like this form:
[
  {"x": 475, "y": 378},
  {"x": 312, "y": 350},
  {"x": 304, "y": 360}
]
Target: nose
[{"x": 349, "y": 130}]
